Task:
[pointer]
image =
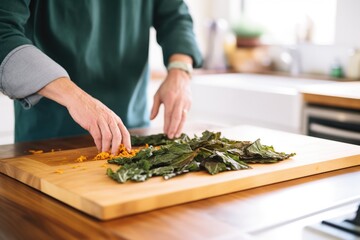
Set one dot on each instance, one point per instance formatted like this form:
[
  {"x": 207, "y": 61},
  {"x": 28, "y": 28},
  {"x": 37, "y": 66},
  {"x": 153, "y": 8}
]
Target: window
[{"x": 289, "y": 21}]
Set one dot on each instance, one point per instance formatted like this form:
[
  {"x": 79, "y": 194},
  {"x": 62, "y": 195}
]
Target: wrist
[
  {"x": 180, "y": 66},
  {"x": 181, "y": 62}
]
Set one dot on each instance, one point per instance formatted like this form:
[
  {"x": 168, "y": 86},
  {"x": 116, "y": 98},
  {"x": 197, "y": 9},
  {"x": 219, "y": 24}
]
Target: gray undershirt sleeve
[{"x": 24, "y": 71}]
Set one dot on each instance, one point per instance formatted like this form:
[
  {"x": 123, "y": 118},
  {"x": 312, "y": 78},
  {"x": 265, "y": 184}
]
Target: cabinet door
[{"x": 7, "y": 120}]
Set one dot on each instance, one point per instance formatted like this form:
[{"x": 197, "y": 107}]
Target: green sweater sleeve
[
  {"x": 24, "y": 69},
  {"x": 13, "y": 17},
  {"x": 174, "y": 27}
]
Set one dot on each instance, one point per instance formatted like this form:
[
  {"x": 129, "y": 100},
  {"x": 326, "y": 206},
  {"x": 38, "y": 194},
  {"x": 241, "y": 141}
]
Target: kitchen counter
[
  {"x": 344, "y": 95},
  {"x": 248, "y": 214}
]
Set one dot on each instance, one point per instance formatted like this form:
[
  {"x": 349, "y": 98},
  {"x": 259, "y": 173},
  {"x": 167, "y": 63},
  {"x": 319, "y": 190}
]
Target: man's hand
[
  {"x": 175, "y": 94},
  {"x": 104, "y": 125}
]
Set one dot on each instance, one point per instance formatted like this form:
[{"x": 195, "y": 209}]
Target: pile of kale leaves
[{"x": 210, "y": 152}]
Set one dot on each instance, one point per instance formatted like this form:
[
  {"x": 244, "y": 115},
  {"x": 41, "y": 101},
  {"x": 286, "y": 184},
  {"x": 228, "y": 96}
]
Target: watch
[{"x": 187, "y": 67}]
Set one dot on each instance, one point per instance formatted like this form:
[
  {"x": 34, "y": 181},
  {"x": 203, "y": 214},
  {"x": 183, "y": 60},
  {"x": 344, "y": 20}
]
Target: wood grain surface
[
  {"x": 26, "y": 212},
  {"x": 86, "y": 187}
]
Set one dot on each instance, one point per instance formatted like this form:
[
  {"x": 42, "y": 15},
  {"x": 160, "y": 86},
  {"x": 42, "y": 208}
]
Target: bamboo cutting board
[{"x": 86, "y": 187}]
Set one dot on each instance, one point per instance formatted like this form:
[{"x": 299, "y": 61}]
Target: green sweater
[{"x": 101, "y": 44}]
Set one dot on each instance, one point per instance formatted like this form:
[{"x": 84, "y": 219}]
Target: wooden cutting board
[{"x": 86, "y": 187}]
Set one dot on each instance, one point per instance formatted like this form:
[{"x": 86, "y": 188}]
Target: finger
[
  {"x": 175, "y": 120},
  {"x": 96, "y": 135},
  {"x": 155, "y": 107},
  {"x": 116, "y": 136},
  {"x": 168, "y": 109},
  {"x": 106, "y": 135},
  {"x": 126, "y": 139},
  {"x": 181, "y": 124}
]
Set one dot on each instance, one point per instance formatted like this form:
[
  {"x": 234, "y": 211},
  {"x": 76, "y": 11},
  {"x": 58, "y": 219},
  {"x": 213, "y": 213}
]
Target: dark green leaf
[
  {"x": 156, "y": 139},
  {"x": 257, "y": 150},
  {"x": 160, "y": 171},
  {"x": 230, "y": 162},
  {"x": 215, "y": 167}
]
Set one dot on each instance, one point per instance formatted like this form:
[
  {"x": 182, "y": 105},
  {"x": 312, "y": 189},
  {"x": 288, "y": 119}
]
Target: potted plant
[{"x": 247, "y": 33}]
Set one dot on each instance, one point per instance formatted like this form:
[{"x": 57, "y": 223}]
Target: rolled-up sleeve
[
  {"x": 174, "y": 27},
  {"x": 24, "y": 69}
]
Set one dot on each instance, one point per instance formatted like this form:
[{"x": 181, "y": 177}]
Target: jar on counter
[
  {"x": 336, "y": 70},
  {"x": 215, "y": 57},
  {"x": 353, "y": 67}
]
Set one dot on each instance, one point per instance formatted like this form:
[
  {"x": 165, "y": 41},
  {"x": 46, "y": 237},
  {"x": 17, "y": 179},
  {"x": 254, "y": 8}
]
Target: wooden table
[{"x": 27, "y": 213}]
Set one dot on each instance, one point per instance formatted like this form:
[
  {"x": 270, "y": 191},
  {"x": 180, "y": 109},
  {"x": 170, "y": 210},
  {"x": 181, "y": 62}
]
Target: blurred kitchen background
[
  {"x": 263, "y": 57},
  {"x": 259, "y": 56},
  {"x": 274, "y": 35}
]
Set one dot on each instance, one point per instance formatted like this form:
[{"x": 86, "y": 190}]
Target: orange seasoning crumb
[
  {"x": 122, "y": 152},
  {"x": 59, "y": 171},
  {"x": 102, "y": 156},
  {"x": 36, "y": 151},
  {"x": 81, "y": 159},
  {"x": 104, "y": 165}
]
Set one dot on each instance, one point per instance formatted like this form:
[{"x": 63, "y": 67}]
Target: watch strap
[{"x": 187, "y": 67}]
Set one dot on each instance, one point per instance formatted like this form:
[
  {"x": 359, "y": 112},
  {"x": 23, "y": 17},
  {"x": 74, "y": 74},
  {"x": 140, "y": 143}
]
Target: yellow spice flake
[
  {"x": 122, "y": 152},
  {"x": 59, "y": 171},
  {"x": 102, "y": 156},
  {"x": 104, "y": 165},
  {"x": 81, "y": 159}
]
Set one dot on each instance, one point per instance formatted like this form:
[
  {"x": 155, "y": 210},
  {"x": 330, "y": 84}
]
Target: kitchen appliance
[
  {"x": 332, "y": 123},
  {"x": 344, "y": 226}
]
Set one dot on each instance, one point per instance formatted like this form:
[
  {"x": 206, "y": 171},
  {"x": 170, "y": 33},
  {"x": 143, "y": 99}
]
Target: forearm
[{"x": 62, "y": 91}]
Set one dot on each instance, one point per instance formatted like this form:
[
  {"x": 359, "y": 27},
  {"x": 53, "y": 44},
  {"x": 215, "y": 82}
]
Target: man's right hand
[{"x": 106, "y": 128}]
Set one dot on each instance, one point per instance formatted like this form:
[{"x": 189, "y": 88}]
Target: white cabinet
[
  {"x": 6, "y": 120},
  {"x": 261, "y": 100}
]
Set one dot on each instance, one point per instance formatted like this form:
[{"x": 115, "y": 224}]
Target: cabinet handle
[{"x": 319, "y": 128}]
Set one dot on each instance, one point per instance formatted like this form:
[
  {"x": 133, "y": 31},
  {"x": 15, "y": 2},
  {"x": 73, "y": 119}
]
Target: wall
[
  {"x": 347, "y": 23},
  {"x": 319, "y": 58}
]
